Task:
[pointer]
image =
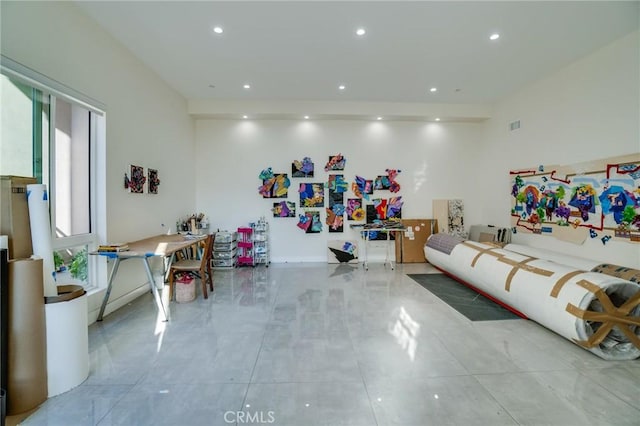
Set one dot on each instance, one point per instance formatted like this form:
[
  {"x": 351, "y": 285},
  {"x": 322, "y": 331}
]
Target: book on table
[{"x": 113, "y": 247}]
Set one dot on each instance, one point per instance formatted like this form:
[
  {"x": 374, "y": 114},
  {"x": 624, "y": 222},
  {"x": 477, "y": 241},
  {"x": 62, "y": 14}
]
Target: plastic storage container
[
  {"x": 245, "y": 246},
  {"x": 224, "y": 250}
]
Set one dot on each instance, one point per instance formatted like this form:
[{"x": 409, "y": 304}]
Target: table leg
[
  {"x": 389, "y": 241},
  {"x": 366, "y": 250},
  {"x": 109, "y": 285},
  {"x": 154, "y": 290},
  {"x": 166, "y": 263}
]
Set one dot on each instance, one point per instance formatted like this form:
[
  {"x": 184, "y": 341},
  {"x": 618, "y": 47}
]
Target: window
[{"x": 52, "y": 133}]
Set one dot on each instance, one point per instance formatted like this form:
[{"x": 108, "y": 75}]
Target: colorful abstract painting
[
  {"x": 335, "y": 212},
  {"x": 383, "y": 209},
  {"x": 394, "y": 208},
  {"x": 337, "y": 184},
  {"x": 388, "y": 181},
  {"x": 341, "y": 251},
  {"x": 362, "y": 187},
  {"x": 284, "y": 209},
  {"x": 274, "y": 185},
  {"x": 310, "y": 222},
  {"x": 336, "y": 162},
  {"x": 382, "y": 212},
  {"x": 335, "y": 218},
  {"x": 381, "y": 182},
  {"x": 136, "y": 183},
  {"x": 154, "y": 181},
  {"x": 599, "y": 199},
  {"x": 311, "y": 195},
  {"x": 354, "y": 209},
  {"x": 302, "y": 169}
]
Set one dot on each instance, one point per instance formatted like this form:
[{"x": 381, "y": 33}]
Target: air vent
[{"x": 514, "y": 125}]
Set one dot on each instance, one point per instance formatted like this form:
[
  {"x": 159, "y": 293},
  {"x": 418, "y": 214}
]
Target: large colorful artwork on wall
[
  {"x": 387, "y": 182},
  {"x": 274, "y": 185},
  {"x": 354, "y": 209},
  {"x": 336, "y": 162},
  {"x": 383, "y": 211},
  {"x": 311, "y": 194},
  {"x": 284, "y": 209},
  {"x": 302, "y": 169},
  {"x": 362, "y": 187},
  {"x": 598, "y": 199},
  {"x": 335, "y": 212},
  {"x": 310, "y": 222}
]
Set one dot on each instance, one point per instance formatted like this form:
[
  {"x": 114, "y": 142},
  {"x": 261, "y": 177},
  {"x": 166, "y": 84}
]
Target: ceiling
[{"x": 302, "y": 50}]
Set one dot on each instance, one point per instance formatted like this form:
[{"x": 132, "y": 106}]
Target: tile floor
[{"x": 317, "y": 344}]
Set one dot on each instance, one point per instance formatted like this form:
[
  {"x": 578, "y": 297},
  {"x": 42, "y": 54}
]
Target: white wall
[
  {"x": 147, "y": 122},
  {"x": 16, "y": 159},
  {"x": 231, "y": 154},
  {"x": 587, "y": 111}
]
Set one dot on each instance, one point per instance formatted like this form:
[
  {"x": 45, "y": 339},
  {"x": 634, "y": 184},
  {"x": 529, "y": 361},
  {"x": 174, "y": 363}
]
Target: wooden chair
[{"x": 202, "y": 266}]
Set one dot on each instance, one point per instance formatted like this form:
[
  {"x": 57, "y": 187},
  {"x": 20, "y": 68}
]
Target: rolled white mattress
[{"x": 598, "y": 312}]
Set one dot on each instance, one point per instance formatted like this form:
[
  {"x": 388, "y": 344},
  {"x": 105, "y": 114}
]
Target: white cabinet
[{"x": 261, "y": 243}]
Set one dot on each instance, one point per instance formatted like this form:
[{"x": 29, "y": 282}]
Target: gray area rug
[{"x": 469, "y": 303}]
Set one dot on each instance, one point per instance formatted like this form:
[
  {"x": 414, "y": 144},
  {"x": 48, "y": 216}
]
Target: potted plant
[
  {"x": 79, "y": 265},
  {"x": 58, "y": 262}
]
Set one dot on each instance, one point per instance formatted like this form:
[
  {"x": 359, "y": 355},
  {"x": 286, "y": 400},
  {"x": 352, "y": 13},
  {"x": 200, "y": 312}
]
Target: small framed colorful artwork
[
  {"x": 302, "y": 169},
  {"x": 284, "y": 209},
  {"x": 136, "y": 183},
  {"x": 154, "y": 181},
  {"x": 311, "y": 195}
]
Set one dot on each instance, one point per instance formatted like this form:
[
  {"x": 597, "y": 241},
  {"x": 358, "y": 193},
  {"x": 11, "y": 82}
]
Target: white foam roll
[
  {"x": 550, "y": 293},
  {"x": 38, "y": 201},
  {"x": 67, "y": 344},
  {"x": 554, "y": 256}
]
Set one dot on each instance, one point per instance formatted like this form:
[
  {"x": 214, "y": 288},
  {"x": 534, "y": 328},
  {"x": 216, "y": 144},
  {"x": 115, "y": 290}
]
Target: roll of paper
[
  {"x": 67, "y": 344},
  {"x": 576, "y": 304},
  {"x": 27, "y": 372},
  {"x": 4, "y": 242},
  {"x": 38, "y": 201},
  {"x": 4, "y": 317},
  {"x": 566, "y": 259}
]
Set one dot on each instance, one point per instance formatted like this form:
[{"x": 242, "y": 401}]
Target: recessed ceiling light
[
  {"x": 247, "y": 86},
  {"x": 361, "y": 31},
  {"x": 437, "y": 118},
  {"x": 245, "y": 116},
  {"x": 494, "y": 36},
  {"x": 342, "y": 87},
  {"x": 433, "y": 89},
  {"x": 379, "y": 118},
  {"x": 218, "y": 30},
  {"x": 306, "y": 117}
]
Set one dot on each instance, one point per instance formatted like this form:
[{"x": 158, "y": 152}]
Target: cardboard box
[
  {"x": 410, "y": 244},
  {"x": 14, "y": 215}
]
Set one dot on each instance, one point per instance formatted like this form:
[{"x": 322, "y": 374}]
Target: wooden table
[{"x": 162, "y": 246}]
